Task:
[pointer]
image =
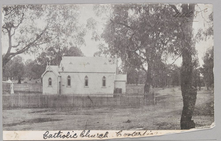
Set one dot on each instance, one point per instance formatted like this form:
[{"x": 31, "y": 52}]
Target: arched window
[
  {"x": 49, "y": 81},
  {"x": 68, "y": 81},
  {"x": 104, "y": 81},
  {"x": 86, "y": 81}
]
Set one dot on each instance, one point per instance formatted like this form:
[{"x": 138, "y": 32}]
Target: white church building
[{"x": 84, "y": 76}]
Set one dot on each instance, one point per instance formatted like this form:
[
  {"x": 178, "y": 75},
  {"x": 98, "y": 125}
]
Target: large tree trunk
[
  {"x": 188, "y": 92},
  {"x": 148, "y": 92},
  {"x": 188, "y": 89},
  {"x": 5, "y": 58},
  {"x": 148, "y": 81}
]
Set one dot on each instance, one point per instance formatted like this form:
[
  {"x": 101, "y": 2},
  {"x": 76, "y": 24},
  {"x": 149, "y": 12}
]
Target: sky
[
  {"x": 202, "y": 21},
  {"x": 91, "y": 46},
  {"x": 86, "y": 11}
]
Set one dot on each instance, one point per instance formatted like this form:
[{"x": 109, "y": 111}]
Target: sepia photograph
[{"x": 124, "y": 66}]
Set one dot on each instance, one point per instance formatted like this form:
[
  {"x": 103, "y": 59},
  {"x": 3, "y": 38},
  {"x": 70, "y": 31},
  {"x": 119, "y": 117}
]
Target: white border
[{"x": 210, "y": 134}]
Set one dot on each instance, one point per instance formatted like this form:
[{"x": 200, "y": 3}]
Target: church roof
[
  {"x": 53, "y": 69},
  {"x": 88, "y": 64}
]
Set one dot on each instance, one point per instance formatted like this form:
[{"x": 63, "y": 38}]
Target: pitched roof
[
  {"x": 53, "y": 69},
  {"x": 88, "y": 64}
]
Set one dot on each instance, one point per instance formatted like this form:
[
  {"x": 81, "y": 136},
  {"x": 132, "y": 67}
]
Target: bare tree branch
[
  {"x": 28, "y": 45},
  {"x": 122, "y": 24},
  {"x": 174, "y": 8},
  {"x": 16, "y": 45},
  {"x": 176, "y": 59},
  {"x": 20, "y": 22}
]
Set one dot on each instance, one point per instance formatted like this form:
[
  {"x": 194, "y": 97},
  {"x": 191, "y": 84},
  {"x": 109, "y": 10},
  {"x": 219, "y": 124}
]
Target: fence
[
  {"x": 23, "y": 88},
  {"x": 135, "y": 89},
  {"x": 59, "y": 101},
  {"x": 37, "y": 88},
  {"x": 133, "y": 98},
  {"x": 5, "y": 88}
]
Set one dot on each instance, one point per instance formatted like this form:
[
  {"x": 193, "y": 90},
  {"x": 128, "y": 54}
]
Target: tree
[
  {"x": 175, "y": 75},
  {"x": 189, "y": 64},
  {"x": 188, "y": 87},
  {"x": 15, "y": 69},
  {"x": 7, "y": 74},
  {"x": 132, "y": 75},
  {"x": 161, "y": 75},
  {"x": 54, "y": 55},
  {"x": 29, "y": 27},
  {"x": 140, "y": 35},
  {"x": 35, "y": 68},
  {"x": 28, "y": 66},
  {"x": 207, "y": 69}
]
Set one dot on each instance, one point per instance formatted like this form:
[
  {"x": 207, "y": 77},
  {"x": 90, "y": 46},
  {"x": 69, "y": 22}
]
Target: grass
[{"x": 163, "y": 115}]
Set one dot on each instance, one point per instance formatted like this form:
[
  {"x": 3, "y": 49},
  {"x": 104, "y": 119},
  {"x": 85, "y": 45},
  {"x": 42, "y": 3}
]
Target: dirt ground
[{"x": 164, "y": 114}]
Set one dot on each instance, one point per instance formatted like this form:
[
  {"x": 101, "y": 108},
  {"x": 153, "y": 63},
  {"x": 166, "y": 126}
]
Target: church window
[
  {"x": 86, "y": 81},
  {"x": 49, "y": 81},
  {"x": 104, "y": 81},
  {"x": 68, "y": 81}
]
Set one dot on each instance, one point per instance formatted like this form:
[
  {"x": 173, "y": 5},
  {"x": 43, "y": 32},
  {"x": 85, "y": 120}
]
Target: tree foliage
[
  {"x": 141, "y": 35},
  {"x": 33, "y": 69},
  {"x": 53, "y": 56},
  {"x": 29, "y": 27},
  {"x": 15, "y": 69},
  {"x": 187, "y": 48},
  {"x": 207, "y": 69}
]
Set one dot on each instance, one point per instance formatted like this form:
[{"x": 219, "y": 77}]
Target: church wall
[
  {"x": 120, "y": 82},
  {"x": 94, "y": 83},
  {"x": 121, "y": 85},
  {"x": 53, "y": 89}
]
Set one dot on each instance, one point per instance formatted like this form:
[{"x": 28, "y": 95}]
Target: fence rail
[
  {"x": 59, "y": 101},
  {"x": 24, "y": 87},
  {"x": 37, "y": 88}
]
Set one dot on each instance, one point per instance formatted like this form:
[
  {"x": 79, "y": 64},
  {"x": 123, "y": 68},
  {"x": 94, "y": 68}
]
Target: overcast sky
[{"x": 91, "y": 46}]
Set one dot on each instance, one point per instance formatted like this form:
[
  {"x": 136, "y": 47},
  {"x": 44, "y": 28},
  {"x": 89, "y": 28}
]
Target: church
[{"x": 85, "y": 76}]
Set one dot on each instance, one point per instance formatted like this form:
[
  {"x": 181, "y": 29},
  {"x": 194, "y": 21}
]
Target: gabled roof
[
  {"x": 88, "y": 64},
  {"x": 53, "y": 69}
]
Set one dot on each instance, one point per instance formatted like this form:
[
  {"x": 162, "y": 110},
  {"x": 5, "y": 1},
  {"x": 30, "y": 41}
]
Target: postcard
[{"x": 104, "y": 71}]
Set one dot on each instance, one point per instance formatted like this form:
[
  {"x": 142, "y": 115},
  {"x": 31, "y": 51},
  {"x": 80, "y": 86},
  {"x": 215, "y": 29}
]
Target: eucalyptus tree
[
  {"x": 186, "y": 14},
  {"x": 143, "y": 35},
  {"x": 15, "y": 69},
  {"x": 208, "y": 58},
  {"x": 55, "y": 56},
  {"x": 207, "y": 68},
  {"x": 35, "y": 68},
  {"x": 26, "y": 28}
]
